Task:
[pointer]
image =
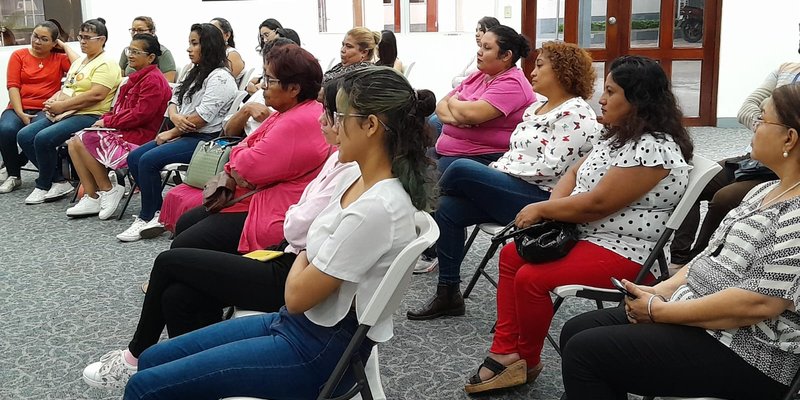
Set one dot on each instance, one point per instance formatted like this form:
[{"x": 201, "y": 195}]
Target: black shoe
[{"x": 447, "y": 302}]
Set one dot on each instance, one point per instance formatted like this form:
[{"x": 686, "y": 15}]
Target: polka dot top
[{"x": 633, "y": 231}]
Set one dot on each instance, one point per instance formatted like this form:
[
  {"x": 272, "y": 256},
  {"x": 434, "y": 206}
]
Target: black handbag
[
  {"x": 749, "y": 169},
  {"x": 543, "y": 241}
]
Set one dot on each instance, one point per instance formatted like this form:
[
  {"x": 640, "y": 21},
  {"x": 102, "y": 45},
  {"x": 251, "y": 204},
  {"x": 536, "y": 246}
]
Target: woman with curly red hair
[{"x": 554, "y": 133}]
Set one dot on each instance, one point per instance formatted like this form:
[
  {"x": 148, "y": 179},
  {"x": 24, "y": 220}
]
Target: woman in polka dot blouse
[{"x": 620, "y": 195}]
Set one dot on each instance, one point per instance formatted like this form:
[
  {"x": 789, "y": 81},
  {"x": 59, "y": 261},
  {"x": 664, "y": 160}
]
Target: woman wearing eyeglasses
[
  {"x": 87, "y": 94},
  {"x": 33, "y": 75},
  {"x": 166, "y": 63},
  {"x": 134, "y": 121}
]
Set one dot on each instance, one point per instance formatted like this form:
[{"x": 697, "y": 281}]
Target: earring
[{"x": 785, "y": 154}]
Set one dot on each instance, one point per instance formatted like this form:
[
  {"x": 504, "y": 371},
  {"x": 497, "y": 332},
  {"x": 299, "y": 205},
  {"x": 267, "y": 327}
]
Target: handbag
[
  {"x": 58, "y": 96},
  {"x": 543, "y": 241},
  {"x": 750, "y": 169},
  {"x": 208, "y": 159},
  {"x": 218, "y": 192}
]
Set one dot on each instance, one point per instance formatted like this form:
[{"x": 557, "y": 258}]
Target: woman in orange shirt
[{"x": 34, "y": 74}]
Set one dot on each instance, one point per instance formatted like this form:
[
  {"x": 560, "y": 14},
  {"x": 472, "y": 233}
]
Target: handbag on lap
[
  {"x": 543, "y": 241},
  {"x": 209, "y": 159}
]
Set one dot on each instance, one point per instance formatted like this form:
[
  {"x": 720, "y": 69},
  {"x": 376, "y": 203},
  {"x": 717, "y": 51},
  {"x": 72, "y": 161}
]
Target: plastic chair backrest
[
  {"x": 331, "y": 63},
  {"x": 116, "y": 94},
  {"x": 237, "y": 102},
  {"x": 409, "y": 67},
  {"x": 702, "y": 172},
  {"x": 393, "y": 286},
  {"x": 246, "y": 78}
]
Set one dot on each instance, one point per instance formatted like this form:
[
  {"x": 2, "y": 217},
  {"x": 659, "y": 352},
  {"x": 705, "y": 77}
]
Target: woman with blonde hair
[{"x": 358, "y": 51}]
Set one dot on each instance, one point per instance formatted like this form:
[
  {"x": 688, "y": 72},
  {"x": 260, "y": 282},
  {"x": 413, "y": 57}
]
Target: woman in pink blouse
[
  {"x": 480, "y": 113},
  {"x": 133, "y": 121},
  {"x": 279, "y": 159}
]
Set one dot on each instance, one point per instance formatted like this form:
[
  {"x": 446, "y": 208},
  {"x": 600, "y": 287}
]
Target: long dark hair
[
  {"x": 384, "y": 92},
  {"x": 54, "y": 33},
  {"x": 387, "y": 49},
  {"x": 153, "y": 47},
  {"x": 212, "y": 56},
  {"x": 226, "y": 28},
  {"x": 487, "y": 23},
  {"x": 654, "y": 108},
  {"x": 509, "y": 40},
  {"x": 271, "y": 23}
]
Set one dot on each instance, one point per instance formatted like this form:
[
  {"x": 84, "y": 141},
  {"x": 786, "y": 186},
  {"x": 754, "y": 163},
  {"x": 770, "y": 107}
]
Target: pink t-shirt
[{"x": 509, "y": 92}]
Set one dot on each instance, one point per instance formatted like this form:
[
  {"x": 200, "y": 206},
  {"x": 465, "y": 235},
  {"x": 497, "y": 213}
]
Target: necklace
[
  {"x": 72, "y": 78},
  {"x": 774, "y": 199}
]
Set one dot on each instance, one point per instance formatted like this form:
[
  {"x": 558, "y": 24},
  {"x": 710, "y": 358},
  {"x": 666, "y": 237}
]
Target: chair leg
[
  {"x": 361, "y": 378},
  {"x": 556, "y": 305},
  {"x": 599, "y": 304},
  {"x": 480, "y": 271},
  {"x": 127, "y": 201},
  {"x": 471, "y": 239},
  {"x": 75, "y": 195}
]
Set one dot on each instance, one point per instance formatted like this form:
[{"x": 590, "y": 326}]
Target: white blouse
[
  {"x": 543, "y": 147},
  {"x": 357, "y": 244},
  {"x": 211, "y": 102}
]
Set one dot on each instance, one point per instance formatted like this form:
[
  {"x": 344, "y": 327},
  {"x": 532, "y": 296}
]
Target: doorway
[{"x": 682, "y": 35}]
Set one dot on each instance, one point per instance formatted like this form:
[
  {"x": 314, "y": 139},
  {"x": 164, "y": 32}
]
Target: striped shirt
[
  {"x": 751, "y": 108},
  {"x": 757, "y": 250}
]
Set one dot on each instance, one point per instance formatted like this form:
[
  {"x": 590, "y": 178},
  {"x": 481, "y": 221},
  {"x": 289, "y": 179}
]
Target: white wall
[{"x": 754, "y": 40}]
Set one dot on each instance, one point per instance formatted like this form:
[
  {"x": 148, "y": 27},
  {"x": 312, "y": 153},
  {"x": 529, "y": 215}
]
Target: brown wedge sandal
[{"x": 504, "y": 376}]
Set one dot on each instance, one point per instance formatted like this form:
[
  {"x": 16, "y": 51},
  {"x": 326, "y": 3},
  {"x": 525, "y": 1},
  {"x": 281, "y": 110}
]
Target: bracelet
[{"x": 650, "y": 305}]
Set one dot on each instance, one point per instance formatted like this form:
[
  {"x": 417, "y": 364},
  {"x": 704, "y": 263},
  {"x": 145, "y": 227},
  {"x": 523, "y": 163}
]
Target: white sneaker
[
  {"x": 36, "y": 196},
  {"x": 58, "y": 190},
  {"x": 3, "y": 174},
  {"x": 153, "y": 228},
  {"x": 11, "y": 183},
  {"x": 425, "y": 264},
  {"x": 109, "y": 200},
  {"x": 132, "y": 233},
  {"x": 112, "y": 371},
  {"x": 86, "y": 206}
]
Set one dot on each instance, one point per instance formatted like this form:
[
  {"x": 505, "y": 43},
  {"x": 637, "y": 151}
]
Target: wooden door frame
[{"x": 708, "y": 54}]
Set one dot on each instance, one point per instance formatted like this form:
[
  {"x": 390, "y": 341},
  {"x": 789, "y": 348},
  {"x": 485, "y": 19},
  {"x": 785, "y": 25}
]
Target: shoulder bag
[
  {"x": 208, "y": 159},
  {"x": 543, "y": 241}
]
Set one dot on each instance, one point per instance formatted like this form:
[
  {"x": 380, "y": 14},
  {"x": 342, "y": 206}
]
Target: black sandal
[{"x": 504, "y": 376}]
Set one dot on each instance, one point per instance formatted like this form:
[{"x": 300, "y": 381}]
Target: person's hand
[
  {"x": 25, "y": 118},
  {"x": 241, "y": 182},
  {"x": 99, "y": 123},
  {"x": 258, "y": 112},
  {"x": 182, "y": 123},
  {"x": 528, "y": 216},
  {"x": 252, "y": 87},
  {"x": 55, "y": 107},
  {"x": 636, "y": 309},
  {"x": 165, "y": 136}
]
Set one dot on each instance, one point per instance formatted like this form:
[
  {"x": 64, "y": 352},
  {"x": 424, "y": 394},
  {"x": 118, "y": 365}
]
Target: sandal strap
[{"x": 490, "y": 364}]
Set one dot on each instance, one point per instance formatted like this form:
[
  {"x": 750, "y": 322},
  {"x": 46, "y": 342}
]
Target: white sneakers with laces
[
  {"x": 85, "y": 207},
  {"x": 58, "y": 190},
  {"x": 109, "y": 200},
  {"x": 425, "y": 264},
  {"x": 141, "y": 229},
  {"x": 36, "y": 196},
  {"x": 9, "y": 184},
  {"x": 112, "y": 371},
  {"x": 3, "y": 174}
]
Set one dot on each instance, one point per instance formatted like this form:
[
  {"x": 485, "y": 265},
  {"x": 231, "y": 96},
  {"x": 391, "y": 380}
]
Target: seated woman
[
  {"x": 267, "y": 33},
  {"x": 190, "y": 287},
  {"x": 32, "y": 76},
  {"x": 197, "y": 108},
  {"x": 480, "y": 114},
  {"x": 483, "y": 26},
  {"x": 291, "y": 353},
  {"x": 358, "y": 51},
  {"x": 165, "y": 62},
  {"x": 553, "y": 135},
  {"x": 730, "y": 327},
  {"x": 279, "y": 160},
  {"x": 730, "y": 185},
  {"x": 134, "y": 121},
  {"x": 87, "y": 93},
  {"x": 387, "y": 52},
  {"x": 644, "y": 149},
  {"x": 235, "y": 61}
]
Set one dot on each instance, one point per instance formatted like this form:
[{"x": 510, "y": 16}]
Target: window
[{"x": 19, "y": 17}]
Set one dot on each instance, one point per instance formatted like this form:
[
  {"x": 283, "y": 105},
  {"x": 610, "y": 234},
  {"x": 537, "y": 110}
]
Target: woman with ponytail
[
  {"x": 480, "y": 113},
  {"x": 235, "y": 61},
  {"x": 358, "y": 51},
  {"x": 290, "y": 354}
]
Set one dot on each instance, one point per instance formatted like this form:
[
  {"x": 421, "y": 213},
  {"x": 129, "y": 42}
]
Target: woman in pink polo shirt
[{"x": 480, "y": 113}]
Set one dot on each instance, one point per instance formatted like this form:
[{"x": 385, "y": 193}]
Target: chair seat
[{"x": 490, "y": 228}]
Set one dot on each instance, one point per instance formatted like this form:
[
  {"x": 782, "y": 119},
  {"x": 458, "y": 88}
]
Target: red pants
[{"x": 524, "y": 306}]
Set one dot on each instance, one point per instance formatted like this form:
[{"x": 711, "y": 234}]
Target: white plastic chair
[
  {"x": 702, "y": 172},
  {"x": 383, "y": 303},
  {"x": 248, "y": 73},
  {"x": 409, "y": 67},
  {"x": 331, "y": 63},
  {"x": 116, "y": 94}
]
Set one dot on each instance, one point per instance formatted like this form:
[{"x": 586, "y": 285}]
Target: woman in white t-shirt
[{"x": 291, "y": 353}]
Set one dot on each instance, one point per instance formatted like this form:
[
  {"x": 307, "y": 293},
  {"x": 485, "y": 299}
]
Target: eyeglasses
[
  {"x": 760, "y": 121},
  {"x": 338, "y": 119},
  {"x": 135, "y": 52},
  {"x": 40, "y": 39},
  {"x": 135, "y": 31},
  {"x": 265, "y": 35},
  {"x": 268, "y": 80},
  {"x": 84, "y": 38}
]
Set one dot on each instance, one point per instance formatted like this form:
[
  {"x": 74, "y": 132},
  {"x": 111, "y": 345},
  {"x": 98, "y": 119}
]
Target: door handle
[{"x": 612, "y": 20}]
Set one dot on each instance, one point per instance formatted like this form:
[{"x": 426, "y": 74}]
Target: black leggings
[
  {"x": 190, "y": 287},
  {"x": 200, "y": 229},
  {"x": 605, "y": 357}
]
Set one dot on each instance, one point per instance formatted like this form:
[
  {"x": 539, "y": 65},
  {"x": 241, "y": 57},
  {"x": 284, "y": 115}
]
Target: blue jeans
[
  {"x": 10, "y": 124},
  {"x": 40, "y": 141},
  {"x": 444, "y": 161},
  {"x": 472, "y": 193},
  {"x": 270, "y": 356},
  {"x": 145, "y": 164}
]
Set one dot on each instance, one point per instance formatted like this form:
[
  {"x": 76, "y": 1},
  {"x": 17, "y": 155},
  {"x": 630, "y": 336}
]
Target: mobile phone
[{"x": 619, "y": 286}]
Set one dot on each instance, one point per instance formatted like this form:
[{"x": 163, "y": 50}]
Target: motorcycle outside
[{"x": 691, "y": 23}]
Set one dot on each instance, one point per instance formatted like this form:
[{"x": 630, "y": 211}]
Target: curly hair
[
  {"x": 572, "y": 66},
  {"x": 654, "y": 109}
]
